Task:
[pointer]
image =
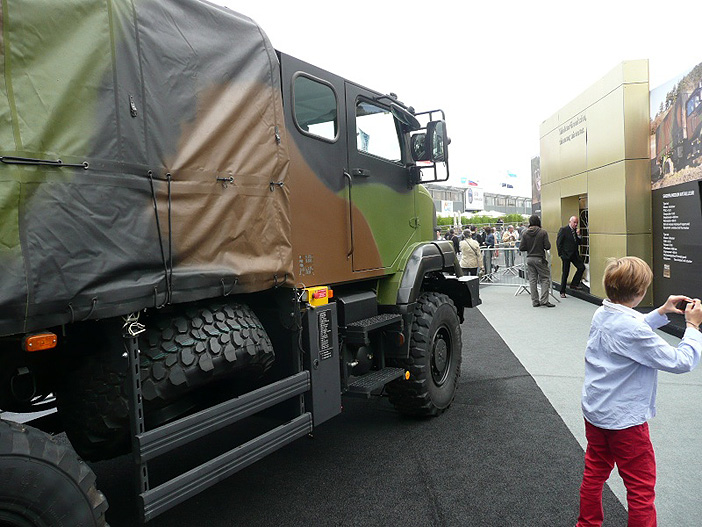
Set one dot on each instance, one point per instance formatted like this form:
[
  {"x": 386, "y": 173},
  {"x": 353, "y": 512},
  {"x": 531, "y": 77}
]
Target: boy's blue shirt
[{"x": 622, "y": 360}]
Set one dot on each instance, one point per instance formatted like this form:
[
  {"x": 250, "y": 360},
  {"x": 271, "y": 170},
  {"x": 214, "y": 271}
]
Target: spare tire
[{"x": 181, "y": 353}]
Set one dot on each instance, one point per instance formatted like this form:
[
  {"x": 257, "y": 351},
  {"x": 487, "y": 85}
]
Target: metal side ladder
[{"x": 147, "y": 445}]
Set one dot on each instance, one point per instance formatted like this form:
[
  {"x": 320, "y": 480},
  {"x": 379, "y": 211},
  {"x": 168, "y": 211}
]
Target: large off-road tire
[
  {"x": 43, "y": 483},
  {"x": 181, "y": 355},
  {"x": 434, "y": 362}
]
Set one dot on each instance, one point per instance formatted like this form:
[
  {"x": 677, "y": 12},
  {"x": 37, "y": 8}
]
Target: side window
[
  {"x": 315, "y": 108},
  {"x": 376, "y": 133}
]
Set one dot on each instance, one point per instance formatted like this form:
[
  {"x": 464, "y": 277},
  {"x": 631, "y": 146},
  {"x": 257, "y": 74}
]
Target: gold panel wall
[
  {"x": 598, "y": 146},
  {"x": 605, "y": 246}
]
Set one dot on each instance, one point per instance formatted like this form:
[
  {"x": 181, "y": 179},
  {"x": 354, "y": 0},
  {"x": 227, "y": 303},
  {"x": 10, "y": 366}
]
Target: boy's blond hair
[{"x": 626, "y": 278}]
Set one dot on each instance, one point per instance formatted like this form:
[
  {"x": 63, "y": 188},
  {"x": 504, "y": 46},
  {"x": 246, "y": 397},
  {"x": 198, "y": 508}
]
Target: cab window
[
  {"x": 376, "y": 132},
  {"x": 315, "y": 107}
]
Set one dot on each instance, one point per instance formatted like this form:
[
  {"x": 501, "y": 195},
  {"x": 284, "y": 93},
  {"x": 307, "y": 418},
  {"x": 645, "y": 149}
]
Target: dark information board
[{"x": 677, "y": 241}]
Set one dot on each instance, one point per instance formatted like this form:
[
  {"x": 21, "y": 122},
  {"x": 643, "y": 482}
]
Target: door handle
[
  {"x": 350, "y": 180},
  {"x": 360, "y": 172}
]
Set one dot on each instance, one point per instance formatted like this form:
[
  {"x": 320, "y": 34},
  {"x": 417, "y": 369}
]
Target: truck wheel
[
  {"x": 181, "y": 353},
  {"x": 44, "y": 484},
  {"x": 434, "y": 362}
]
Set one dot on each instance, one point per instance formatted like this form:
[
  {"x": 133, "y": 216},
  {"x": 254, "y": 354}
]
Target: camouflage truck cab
[{"x": 195, "y": 228}]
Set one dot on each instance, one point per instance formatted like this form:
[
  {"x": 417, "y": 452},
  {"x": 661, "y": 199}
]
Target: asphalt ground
[{"x": 500, "y": 456}]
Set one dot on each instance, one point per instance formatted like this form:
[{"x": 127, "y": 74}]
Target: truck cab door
[
  {"x": 315, "y": 120},
  {"x": 383, "y": 202}
]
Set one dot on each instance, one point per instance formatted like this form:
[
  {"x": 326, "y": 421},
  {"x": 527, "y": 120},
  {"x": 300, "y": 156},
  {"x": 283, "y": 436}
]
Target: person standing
[
  {"x": 509, "y": 238},
  {"x": 622, "y": 359},
  {"x": 456, "y": 240},
  {"x": 567, "y": 243},
  {"x": 471, "y": 258},
  {"x": 535, "y": 242},
  {"x": 480, "y": 237},
  {"x": 489, "y": 246}
]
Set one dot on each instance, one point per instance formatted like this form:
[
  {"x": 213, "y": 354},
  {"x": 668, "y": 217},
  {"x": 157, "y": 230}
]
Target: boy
[{"x": 622, "y": 360}]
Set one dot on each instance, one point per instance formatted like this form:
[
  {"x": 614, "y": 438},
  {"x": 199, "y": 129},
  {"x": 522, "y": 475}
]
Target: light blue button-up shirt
[{"x": 622, "y": 360}]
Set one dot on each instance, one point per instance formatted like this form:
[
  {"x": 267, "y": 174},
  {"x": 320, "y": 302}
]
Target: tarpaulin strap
[
  {"x": 227, "y": 293},
  {"x": 92, "y": 308},
  {"x": 12, "y": 160},
  {"x": 93, "y": 303},
  {"x": 276, "y": 284},
  {"x": 160, "y": 242},
  {"x": 274, "y": 184},
  {"x": 170, "y": 242}
]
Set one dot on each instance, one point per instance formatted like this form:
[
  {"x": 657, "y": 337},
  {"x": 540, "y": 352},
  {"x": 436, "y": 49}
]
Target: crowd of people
[{"x": 479, "y": 248}]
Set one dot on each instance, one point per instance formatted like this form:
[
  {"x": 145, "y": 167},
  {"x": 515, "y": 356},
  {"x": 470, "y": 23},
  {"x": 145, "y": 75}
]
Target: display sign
[
  {"x": 676, "y": 174},
  {"x": 474, "y": 199},
  {"x": 677, "y": 246},
  {"x": 676, "y": 128}
]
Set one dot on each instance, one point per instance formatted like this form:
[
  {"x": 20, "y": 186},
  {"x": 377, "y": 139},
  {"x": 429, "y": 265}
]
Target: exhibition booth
[{"x": 626, "y": 161}]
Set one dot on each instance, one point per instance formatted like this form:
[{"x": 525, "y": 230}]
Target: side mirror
[
  {"x": 431, "y": 146},
  {"x": 419, "y": 147},
  {"x": 437, "y": 141}
]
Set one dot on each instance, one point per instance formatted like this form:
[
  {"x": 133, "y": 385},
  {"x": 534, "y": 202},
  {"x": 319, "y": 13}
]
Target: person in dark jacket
[
  {"x": 489, "y": 246},
  {"x": 567, "y": 242},
  {"x": 535, "y": 242},
  {"x": 480, "y": 237}
]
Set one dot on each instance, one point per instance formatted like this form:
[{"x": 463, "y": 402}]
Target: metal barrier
[{"x": 506, "y": 266}]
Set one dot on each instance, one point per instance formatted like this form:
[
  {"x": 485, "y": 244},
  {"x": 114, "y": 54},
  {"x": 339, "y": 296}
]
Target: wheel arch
[{"x": 430, "y": 266}]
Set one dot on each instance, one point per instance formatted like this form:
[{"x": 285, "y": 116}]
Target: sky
[{"x": 497, "y": 69}]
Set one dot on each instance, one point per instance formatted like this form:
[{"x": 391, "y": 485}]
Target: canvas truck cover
[{"x": 143, "y": 159}]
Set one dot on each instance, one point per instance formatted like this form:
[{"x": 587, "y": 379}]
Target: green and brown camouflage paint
[{"x": 173, "y": 101}]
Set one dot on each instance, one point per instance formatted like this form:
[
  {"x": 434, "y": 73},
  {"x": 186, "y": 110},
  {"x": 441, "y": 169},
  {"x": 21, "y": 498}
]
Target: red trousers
[{"x": 632, "y": 451}]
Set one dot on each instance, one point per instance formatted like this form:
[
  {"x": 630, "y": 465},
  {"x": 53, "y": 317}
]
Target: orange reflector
[
  {"x": 40, "y": 341},
  {"x": 407, "y": 375}
]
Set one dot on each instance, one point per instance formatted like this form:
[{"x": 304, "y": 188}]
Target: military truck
[{"x": 196, "y": 230}]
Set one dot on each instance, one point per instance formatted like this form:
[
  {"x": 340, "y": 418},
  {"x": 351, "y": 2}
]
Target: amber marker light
[
  {"x": 407, "y": 375},
  {"x": 39, "y": 341}
]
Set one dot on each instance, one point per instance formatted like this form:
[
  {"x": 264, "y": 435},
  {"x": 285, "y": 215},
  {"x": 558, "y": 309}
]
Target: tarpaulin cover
[{"x": 171, "y": 187}]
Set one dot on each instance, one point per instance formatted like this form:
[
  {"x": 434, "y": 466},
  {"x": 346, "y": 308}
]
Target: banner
[
  {"x": 536, "y": 185},
  {"x": 676, "y": 123},
  {"x": 474, "y": 199},
  {"x": 446, "y": 207},
  {"x": 676, "y": 174}
]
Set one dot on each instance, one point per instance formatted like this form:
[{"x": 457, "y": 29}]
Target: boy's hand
[
  {"x": 671, "y": 305},
  {"x": 693, "y": 312}
]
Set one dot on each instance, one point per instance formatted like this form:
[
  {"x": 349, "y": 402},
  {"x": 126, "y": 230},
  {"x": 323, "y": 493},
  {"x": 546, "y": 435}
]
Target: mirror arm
[
  {"x": 415, "y": 175},
  {"x": 392, "y": 97}
]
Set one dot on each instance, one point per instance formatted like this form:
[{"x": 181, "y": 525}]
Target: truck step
[
  {"x": 357, "y": 332},
  {"x": 364, "y": 385}
]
